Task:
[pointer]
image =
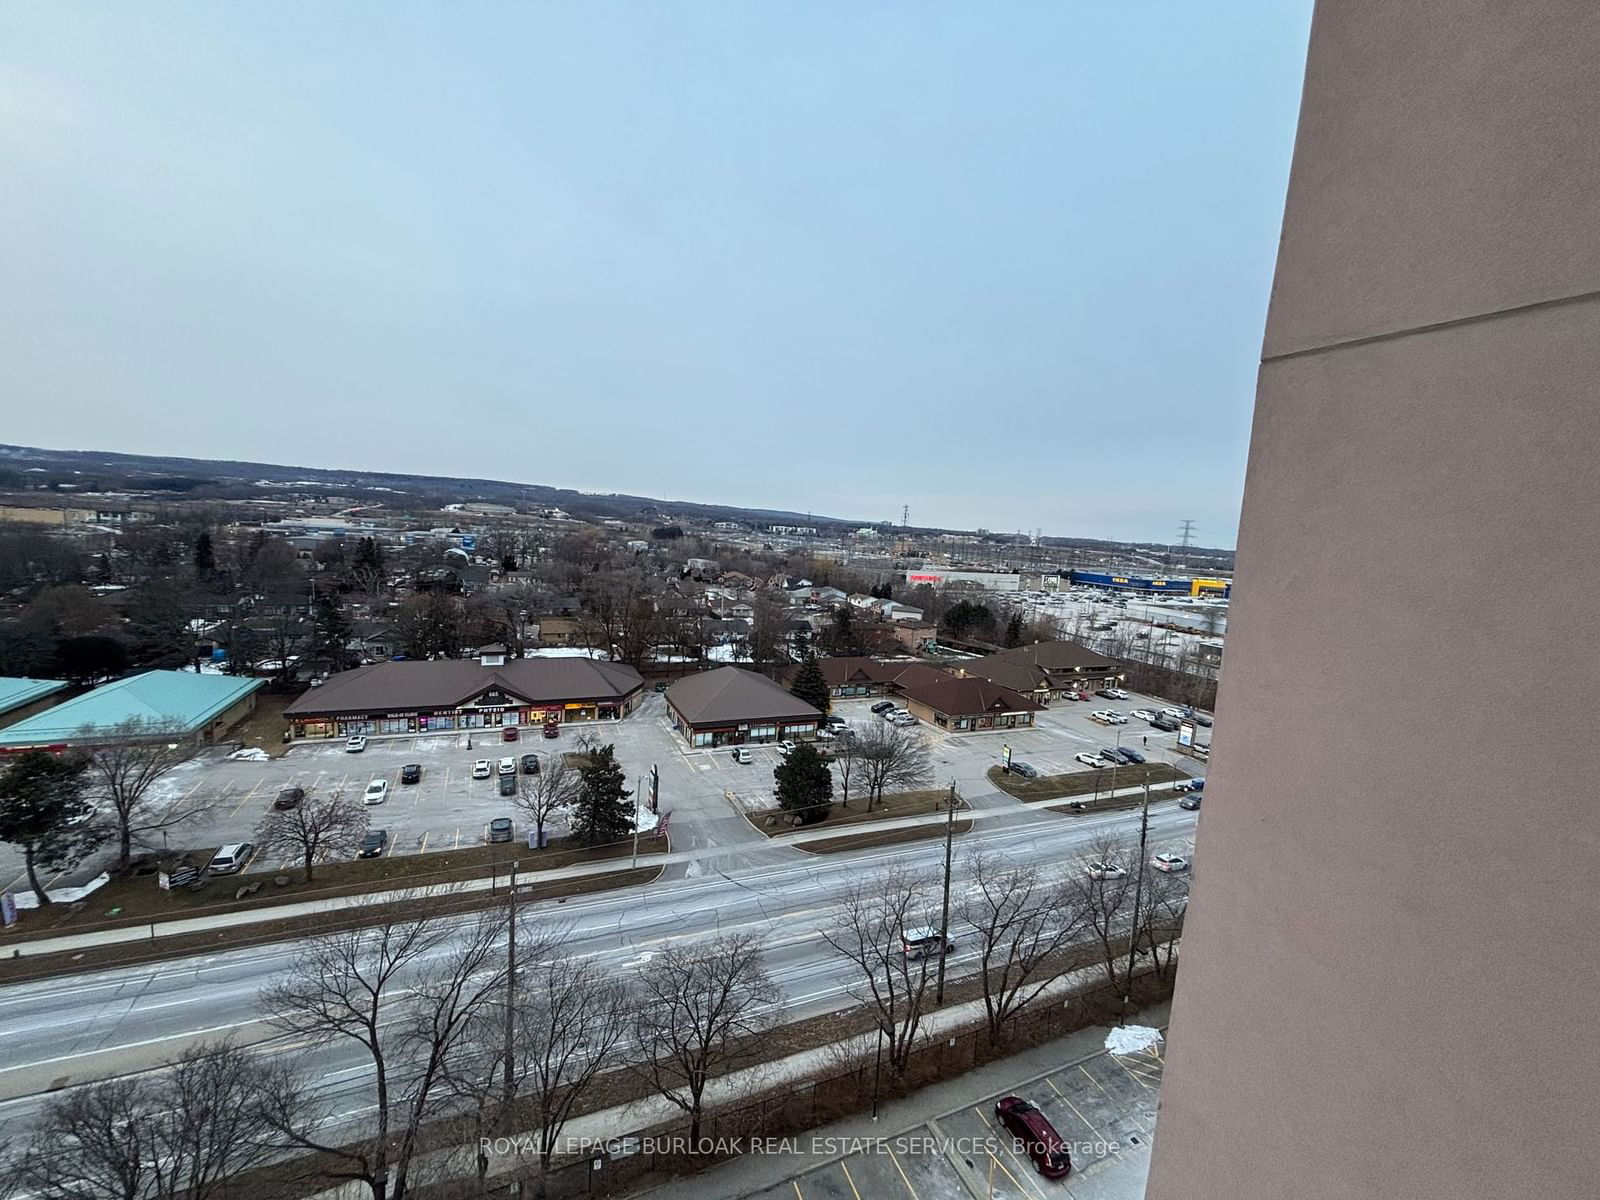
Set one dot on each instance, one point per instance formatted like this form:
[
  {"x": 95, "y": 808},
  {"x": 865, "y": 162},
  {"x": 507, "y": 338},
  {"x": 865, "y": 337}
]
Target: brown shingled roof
[{"x": 730, "y": 694}]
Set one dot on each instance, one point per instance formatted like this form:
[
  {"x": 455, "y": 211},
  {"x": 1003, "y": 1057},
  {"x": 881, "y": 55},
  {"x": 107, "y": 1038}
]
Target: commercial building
[
  {"x": 1044, "y": 671},
  {"x": 175, "y": 705},
  {"x": 1152, "y": 585},
  {"x": 729, "y": 706},
  {"x": 994, "y": 581},
  {"x": 22, "y": 698},
  {"x": 1389, "y": 971},
  {"x": 940, "y": 697},
  {"x": 487, "y": 692}
]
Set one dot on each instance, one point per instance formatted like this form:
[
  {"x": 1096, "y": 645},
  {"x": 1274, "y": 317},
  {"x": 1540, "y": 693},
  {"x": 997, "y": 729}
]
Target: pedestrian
[{"x": 1147, "y": 739}]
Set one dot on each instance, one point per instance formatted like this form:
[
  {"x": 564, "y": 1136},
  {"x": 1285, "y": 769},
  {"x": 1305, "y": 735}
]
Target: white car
[
  {"x": 377, "y": 792},
  {"x": 786, "y": 747},
  {"x": 1175, "y": 713},
  {"x": 1117, "y": 694},
  {"x": 1113, "y": 717},
  {"x": 825, "y": 734},
  {"x": 482, "y": 769},
  {"x": 355, "y": 745},
  {"x": 1090, "y": 760},
  {"x": 1104, "y": 870},
  {"x": 901, "y": 717},
  {"x": 1144, "y": 714},
  {"x": 1099, "y": 714},
  {"x": 1170, "y": 863}
]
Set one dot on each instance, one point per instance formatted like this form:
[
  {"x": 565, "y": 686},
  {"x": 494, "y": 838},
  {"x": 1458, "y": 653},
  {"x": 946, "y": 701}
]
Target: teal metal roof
[
  {"x": 14, "y": 693},
  {"x": 175, "y": 701}
]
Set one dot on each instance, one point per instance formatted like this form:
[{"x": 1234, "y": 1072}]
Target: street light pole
[
  {"x": 507, "y": 1083},
  {"x": 1138, "y": 896},
  {"x": 944, "y": 915},
  {"x": 877, "y": 1069}
]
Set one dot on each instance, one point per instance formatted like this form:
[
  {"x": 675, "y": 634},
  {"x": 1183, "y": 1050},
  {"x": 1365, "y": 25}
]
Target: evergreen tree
[
  {"x": 805, "y": 785},
  {"x": 843, "y": 636},
  {"x": 331, "y": 631},
  {"x": 44, "y": 813},
  {"x": 810, "y": 686},
  {"x": 205, "y": 556},
  {"x": 1014, "y": 631},
  {"x": 604, "y": 810}
]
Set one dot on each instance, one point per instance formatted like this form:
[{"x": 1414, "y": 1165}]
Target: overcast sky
[{"x": 1005, "y": 263}]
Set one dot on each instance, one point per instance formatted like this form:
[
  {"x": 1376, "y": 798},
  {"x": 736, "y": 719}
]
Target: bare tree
[
  {"x": 1100, "y": 888},
  {"x": 701, "y": 1009},
  {"x": 553, "y": 790},
  {"x": 891, "y": 756},
  {"x": 173, "y": 1135},
  {"x": 847, "y": 763},
  {"x": 405, "y": 992},
  {"x": 318, "y": 828},
  {"x": 1161, "y": 913},
  {"x": 875, "y": 913},
  {"x": 1022, "y": 923},
  {"x": 137, "y": 756}
]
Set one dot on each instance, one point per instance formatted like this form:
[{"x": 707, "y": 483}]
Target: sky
[{"x": 1005, "y": 264}]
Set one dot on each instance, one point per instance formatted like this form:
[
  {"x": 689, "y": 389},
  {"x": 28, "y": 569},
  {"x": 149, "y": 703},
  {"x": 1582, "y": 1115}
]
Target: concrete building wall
[{"x": 1389, "y": 970}]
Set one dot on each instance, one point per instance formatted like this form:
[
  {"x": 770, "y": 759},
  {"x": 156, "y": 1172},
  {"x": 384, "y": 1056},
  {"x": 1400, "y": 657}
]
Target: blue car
[{"x": 1197, "y": 784}]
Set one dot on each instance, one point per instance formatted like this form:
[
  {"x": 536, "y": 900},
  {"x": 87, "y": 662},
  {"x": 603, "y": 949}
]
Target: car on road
[
  {"x": 1191, "y": 802},
  {"x": 230, "y": 859},
  {"x": 377, "y": 792},
  {"x": 1197, "y": 784},
  {"x": 355, "y": 745},
  {"x": 1090, "y": 760},
  {"x": 530, "y": 764},
  {"x": 374, "y": 844},
  {"x": 1024, "y": 1121},
  {"x": 1100, "y": 869},
  {"x": 500, "y": 829},
  {"x": 508, "y": 765},
  {"x": 289, "y": 797},
  {"x": 1026, "y": 770},
  {"x": 1170, "y": 863},
  {"x": 1129, "y": 754},
  {"x": 924, "y": 942},
  {"x": 741, "y": 754},
  {"x": 1144, "y": 714},
  {"x": 882, "y": 706},
  {"x": 508, "y": 733},
  {"x": 411, "y": 773},
  {"x": 508, "y": 784},
  {"x": 786, "y": 747},
  {"x": 482, "y": 769}
]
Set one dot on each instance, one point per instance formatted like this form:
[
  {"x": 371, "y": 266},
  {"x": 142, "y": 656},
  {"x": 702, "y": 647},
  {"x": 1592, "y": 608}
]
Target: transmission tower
[
  {"x": 905, "y": 516},
  {"x": 1185, "y": 539}
]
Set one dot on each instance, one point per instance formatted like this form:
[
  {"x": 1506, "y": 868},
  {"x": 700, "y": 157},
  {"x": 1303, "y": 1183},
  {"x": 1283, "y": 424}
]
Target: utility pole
[
  {"x": 508, "y": 1083},
  {"x": 944, "y": 914},
  {"x": 1138, "y": 896}
]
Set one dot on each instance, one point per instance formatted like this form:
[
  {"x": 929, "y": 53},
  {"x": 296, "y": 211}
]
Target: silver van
[{"x": 230, "y": 859}]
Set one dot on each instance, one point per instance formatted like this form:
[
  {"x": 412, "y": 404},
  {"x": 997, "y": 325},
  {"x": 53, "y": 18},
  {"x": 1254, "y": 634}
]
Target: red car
[
  {"x": 508, "y": 733},
  {"x": 1032, "y": 1129},
  {"x": 552, "y": 729}
]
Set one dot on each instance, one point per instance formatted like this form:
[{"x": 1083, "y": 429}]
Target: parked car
[
  {"x": 500, "y": 829},
  {"x": 835, "y": 722},
  {"x": 377, "y": 792},
  {"x": 1200, "y": 719},
  {"x": 230, "y": 859},
  {"x": 1099, "y": 869},
  {"x": 1099, "y": 714},
  {"x": 1113, "y": 717},
  {"x": 785, "y": 747},
  {"x": 508, "y": 765},
  {"x": 1107, "y": 693},
  {"x": 1024, "y": 1121},
  {"x": 355, "y": 745},
  {"x": 411, "y": 773},
  {"x": 374, "y": 844},
  {"x": 530, "y": 764},
  {"x": 1129, "y": 754},
  {"x": 1089, "y": 760},
  {"x": 482, "y": 769},
  {"x": 1197, "y": 784},
  {"x": 1175, "y": 713},
  {"x": 1165, "y": 724},
  {"x": 825, "y": 733},
  {"x": 1170, "y": 863},
  {"x": 1144, "y": 714},
  {"x": 508, "y": 733},
  {"x": 1026, "y": 770},
  {"x": 1191, "y": 802},
  {"x": 923, "y": 942},
  {"x": 289, "y": 797},
  {"x": 663, "y": 686},
  {"x": 1113, "y": 755},
  {"x": 508, "y": 784},
  {"x": 882, "y": 706},
  {"x": 1116, "y": 694},
  {"x": 901, "y": 716},
  {"x": 741, "y": 754},
  {"x": 552, "y": 729}
]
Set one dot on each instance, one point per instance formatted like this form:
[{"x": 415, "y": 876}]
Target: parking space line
[
  {"x": 854, "y": 1190},
  {"x": 422, "y": 847},
  {"x": 1094, "y": 1081},
  {"x": 904, "y": 1178},
  {"x": 1088, "y": 1124},
  {"x": 1131, "y": 1074},
  {"x": 799, "y": 1195},
  {"x": 458, "y": 838},
  {"x": 245, "y": 799},
  {"x": 984, "y": 1117}
]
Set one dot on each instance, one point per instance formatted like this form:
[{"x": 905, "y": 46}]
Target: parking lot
[{"x": 1104, "y": 1106}]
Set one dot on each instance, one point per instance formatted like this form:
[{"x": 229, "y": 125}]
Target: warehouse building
[
  {"x": 1146, "y": 585},
  {"x": 488, "y": 692},
  {"x": 176, "y": 705},
  {"x": 730, "y": 706}
]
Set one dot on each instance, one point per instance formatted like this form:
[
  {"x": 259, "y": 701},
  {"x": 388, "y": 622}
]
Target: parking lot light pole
[{"x": 877, "y": 1070}]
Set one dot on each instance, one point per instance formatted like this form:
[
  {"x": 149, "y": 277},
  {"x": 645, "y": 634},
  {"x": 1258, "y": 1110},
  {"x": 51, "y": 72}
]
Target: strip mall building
[{"x": 488, "y": 692}]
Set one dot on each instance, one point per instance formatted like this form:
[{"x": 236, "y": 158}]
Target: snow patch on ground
[
  {"x": 643, "y": 819},
  {"x": 1132, "y": 1039},
  {"x": 62, "y": 895},
  {"x": 249, "y": 754}
]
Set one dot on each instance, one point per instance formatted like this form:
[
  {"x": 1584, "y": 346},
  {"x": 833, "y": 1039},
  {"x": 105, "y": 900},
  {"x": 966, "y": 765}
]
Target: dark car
[
  {"x": 1164, "y": 723},
  {"x": 1026, "y": 770},
  {"x": 552, "y": 729},
  {"x": 508, "y": 733},
  {"x": 1191, "y": 802},
  {"x": 500, "y": 829},
  {"x": 530, "y": 764},
  {"x": 1032, "y": 1129},
  {"x": 1199, "y": 718},
  {"x": 882, "y": 706},
  {"x": 289, "y": 798},
  {"x": 411, "y": 773},
  {"x": 1129, "y": 754},
  {"x": 661, "y": 687},
  {"x": 1113, "y": 755},
  {"x": 1108, "y": 693},
  {"x": 508, "y": 784},
  {"x": 1197, "y": 784},
  {"x": 374, "y": 844}
]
